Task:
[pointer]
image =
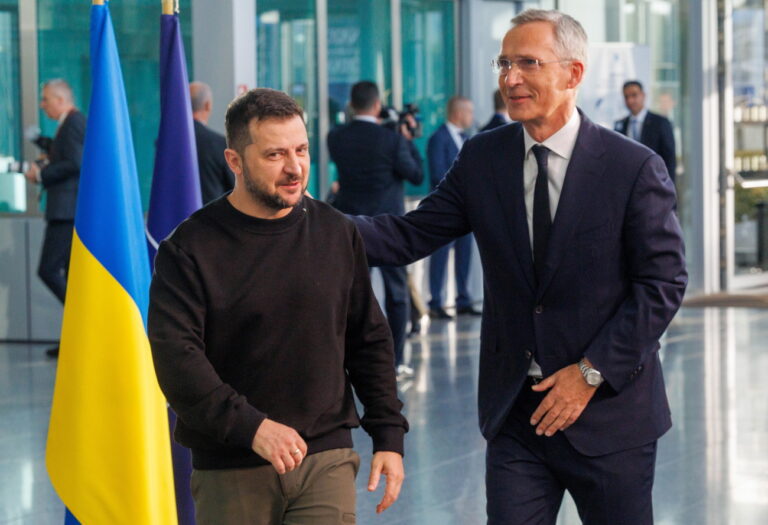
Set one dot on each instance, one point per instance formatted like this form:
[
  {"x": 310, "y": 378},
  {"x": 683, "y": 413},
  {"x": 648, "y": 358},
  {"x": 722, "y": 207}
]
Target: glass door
[
  {"x": 286, "y": 50},
  {"x": 13, "y": 195},
  {"x": 750, "y": 134}
]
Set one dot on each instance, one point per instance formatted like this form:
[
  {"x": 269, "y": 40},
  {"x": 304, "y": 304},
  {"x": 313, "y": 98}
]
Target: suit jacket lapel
[
  {"x": 508, "y": 175},
  {"x": 582, "y": 178}
]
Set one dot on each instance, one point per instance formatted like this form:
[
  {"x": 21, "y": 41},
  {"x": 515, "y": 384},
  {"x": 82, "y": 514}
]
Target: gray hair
[
  {"x": 570, "y": 37},
  {"x": 200, "y": 94},
  {"x": 61, "y": 87}
]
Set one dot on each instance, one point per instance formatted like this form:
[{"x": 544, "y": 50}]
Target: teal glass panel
[
  {"x": 359, "y": 48},
  {"x": 12, "y": 187},
  {"x": 63, "y": 48},
  {"x": 286, "y": 59},
  {"x": 429, "y": 66}
]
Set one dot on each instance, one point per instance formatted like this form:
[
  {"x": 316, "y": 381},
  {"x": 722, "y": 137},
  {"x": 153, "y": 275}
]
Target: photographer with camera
[
  {"x": 373, "y": 161},
  {"x": 59, "y": 175}
]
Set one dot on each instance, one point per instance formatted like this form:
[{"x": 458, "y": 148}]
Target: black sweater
[{"x": 253, "y": 318}]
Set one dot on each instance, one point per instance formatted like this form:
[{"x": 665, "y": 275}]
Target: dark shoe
[
  {"x": 439, "y": 313},
  {"x": 468, "y": 310},
  {"x": 415, "y": 328},
  {"x": 52, "y": 352}
]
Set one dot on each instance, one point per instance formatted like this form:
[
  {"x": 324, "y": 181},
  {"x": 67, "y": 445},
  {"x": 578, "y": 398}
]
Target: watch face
[{"x": 594, "y": 378}]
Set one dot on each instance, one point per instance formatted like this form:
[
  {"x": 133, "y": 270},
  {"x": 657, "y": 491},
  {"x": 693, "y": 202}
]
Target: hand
[
  {"x": 564, "y": 403},
  {"x": 277, "y": 443},
  {"x": 391, "y": 465},
  {"x": 32, "y": 172},
  {"x": 405, "y": 132}
]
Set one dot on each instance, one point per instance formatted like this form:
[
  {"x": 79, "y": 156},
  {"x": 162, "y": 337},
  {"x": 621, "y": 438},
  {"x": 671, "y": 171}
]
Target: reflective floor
[{"x": 712, "y": 466}]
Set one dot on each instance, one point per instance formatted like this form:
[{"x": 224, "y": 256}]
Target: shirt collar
[
  {"x": 453, "y": 127},
  {"x": 64, "y": 116},
  {"x": 367, "y": 118},
  {"x": 562, "y": 142},
  {"x": 640, "y": 117}
]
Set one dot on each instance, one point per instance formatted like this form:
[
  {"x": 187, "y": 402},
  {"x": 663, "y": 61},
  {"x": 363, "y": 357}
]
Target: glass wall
[
  {"x": 12, "y": 186},
  {"x": 750, "y": 128},
  {"x": 359, "y": 48},
  {"x": 63, "y": 47},
  {"x": 286, "y": 45},
  {"x": 429, "y": 79}
]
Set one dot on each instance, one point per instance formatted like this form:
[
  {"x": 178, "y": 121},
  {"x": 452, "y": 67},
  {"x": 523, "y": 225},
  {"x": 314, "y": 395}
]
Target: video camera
[
  {"x": 393, "y": 119},
  {"x": 11, "y": 165},
  {"x": 32, "y": 133}
]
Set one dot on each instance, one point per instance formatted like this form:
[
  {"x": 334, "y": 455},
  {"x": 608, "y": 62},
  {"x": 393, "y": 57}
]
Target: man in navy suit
[
  {"x": 500, "y": 116},
  {"x": 646, "y": 127},
  {"x": 584, "y": 269},
  {"x": 373, "y": 161},
  {"x": 59, "y": 174},
  {"x": 216, "y": 178},
  {"x": 443, "y": 146}
]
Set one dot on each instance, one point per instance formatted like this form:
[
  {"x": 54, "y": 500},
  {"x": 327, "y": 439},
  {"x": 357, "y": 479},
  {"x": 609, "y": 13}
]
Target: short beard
[{"x": 272, "y": 201}]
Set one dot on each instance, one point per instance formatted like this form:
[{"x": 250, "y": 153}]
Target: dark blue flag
[{"x": 175, "y": 196}]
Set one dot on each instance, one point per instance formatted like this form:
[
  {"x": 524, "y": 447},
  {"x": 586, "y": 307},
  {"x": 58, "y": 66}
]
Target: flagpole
[{"x": 169, "y": 7}]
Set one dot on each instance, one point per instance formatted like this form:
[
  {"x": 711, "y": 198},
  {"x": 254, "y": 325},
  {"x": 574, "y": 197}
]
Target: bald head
[
  {"x": 460, "y": 111},
  {"x": 202, "y": 100}
]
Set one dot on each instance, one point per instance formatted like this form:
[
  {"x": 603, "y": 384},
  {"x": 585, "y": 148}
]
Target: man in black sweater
[{"x": 261, "y": 321}]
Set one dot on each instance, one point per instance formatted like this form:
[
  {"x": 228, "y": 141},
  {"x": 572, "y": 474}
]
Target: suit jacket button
[
  {"x": 528, "y": 354},
  {"x": 538, "y": 309}
]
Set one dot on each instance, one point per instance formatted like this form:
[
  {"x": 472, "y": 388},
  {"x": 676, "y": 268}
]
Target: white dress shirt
[
  {"x": 639, "y": 119},
  {"x": 560, "y": 147},
  {"x": 367, "y": 118},
  {"x": 455, "y": 132}
]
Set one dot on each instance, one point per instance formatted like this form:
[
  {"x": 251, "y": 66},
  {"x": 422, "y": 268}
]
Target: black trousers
[
  {"x": 54, "y": 257},
  {"x": 526, "y": 476},
  {"x": 397, "y": 303}
]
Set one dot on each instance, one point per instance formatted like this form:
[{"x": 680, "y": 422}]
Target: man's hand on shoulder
[
  {"x": 567, "y": 398},
  {"x": 390, "y": 464},
  {"x": 280, "y": 445}
]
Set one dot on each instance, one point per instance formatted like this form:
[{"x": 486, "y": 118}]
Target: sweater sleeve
[
  {"x": 370, "y": 361},
  {"x": 186, "y": 376}
]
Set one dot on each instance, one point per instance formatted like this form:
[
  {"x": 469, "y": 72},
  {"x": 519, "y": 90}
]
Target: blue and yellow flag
[{"x": 108, "y": 454}]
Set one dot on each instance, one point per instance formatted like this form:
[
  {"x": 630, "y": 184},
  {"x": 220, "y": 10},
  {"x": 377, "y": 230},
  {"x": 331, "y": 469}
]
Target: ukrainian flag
[{"x": 108, "y": 454}]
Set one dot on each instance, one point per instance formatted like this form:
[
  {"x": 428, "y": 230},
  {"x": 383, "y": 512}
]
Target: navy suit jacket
[
  {"x": 216, "y": 179},
  {"x": 496, "y": 121},
  {"x": 657, "y": 134},
  {"x": 441, "y": 152},
  {"x": 61, "y": 176},
  {"x": 373, "y": 161},
  {"x": 614, "y": 277}
]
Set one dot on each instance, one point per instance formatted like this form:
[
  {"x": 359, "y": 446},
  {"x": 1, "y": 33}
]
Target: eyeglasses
[{"x": 502, "y": 66}]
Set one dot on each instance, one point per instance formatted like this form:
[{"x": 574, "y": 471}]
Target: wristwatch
[{"x": 592, "y": 376}]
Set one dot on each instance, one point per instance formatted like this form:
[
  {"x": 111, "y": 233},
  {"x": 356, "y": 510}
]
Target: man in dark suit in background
[
  {"x": 500, "y": 116},
  {"x": 584, "y": 269},
  {"x": 216, "y": 179},
  {"x": 373, "y": 162},
  {"x": 651, "y": 129},
  {"x": 443, "y": 146},
  {"x": 59, "y": 174}
]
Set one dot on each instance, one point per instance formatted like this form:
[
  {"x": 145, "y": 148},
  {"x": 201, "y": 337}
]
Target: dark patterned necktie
[{"x": 542, "y": 218}]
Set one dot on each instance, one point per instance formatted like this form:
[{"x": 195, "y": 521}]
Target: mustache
[{"x": 292, "y": 178}]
